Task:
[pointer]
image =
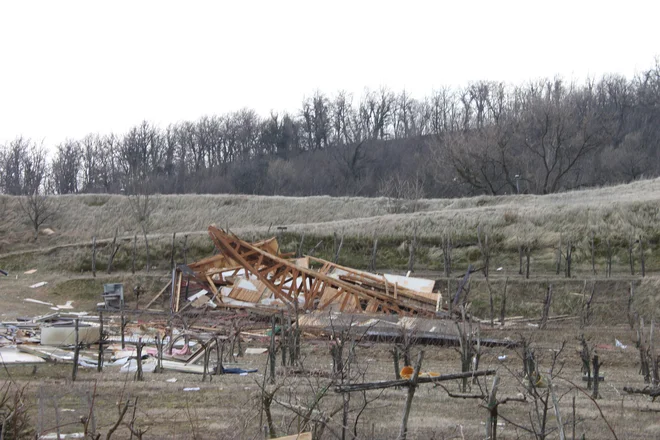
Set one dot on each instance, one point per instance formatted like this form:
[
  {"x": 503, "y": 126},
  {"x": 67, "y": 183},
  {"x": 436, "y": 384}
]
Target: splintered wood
[{"x": 260, "y": 277}]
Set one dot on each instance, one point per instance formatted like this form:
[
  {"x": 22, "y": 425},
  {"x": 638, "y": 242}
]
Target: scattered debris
[
  {"x": 256, "y": 350},
  {"x": 171, "y": 380},
  {"x": 41, "y": 284},
  {"x": 301, "y": 436},
  {"x": 36, "y": 301},
  {"x": 66, "y": 306},
  {"x": 191, "y": 389},
  {"x": 65, "y": 334},
  {"x": 54, "y": 436},
  {"x": 29, "y": 272},
  {"x": 12, "y": 356}
]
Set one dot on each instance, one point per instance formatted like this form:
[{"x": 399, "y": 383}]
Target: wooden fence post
[
  {"x": 123, "y": 326},
  {"x": 642, "y": 261},
  {"x": 299, "y": 251},
  {"x": 159, "y": 355},
  {"x": 134, "y": 253},
  {"x": 491, "y": 423},
  {"x": 403, "y": 433},
  {"x": 631, "y": 258},
  {"x": 99, "y": 366},
  {"x": 446, "y": 254},
  {"x": 139, "y": 375},
  {"x": 528, "y": 254},
  {"x": 503, "y": 309},
  {"x": 76, "y": 353},
  {"x": 114, "y": 248},
  {"x": 185, "y": 249},
  {"x": 569, "y": 258},
  {"x": 412, "y": 247},
  {"x": 271, "y": 349},
  {"x": 374, "y": 251},
  {"x": 338, "y": 247},
  {"x": 173, "y": 247},
  {"x": 558, "y": 267},
  {"x": 94, "y": 256},
  {"x": 631, "y": 318},
  {"x": 608, "y": 267},
  {"x": 593, "y": 253},
  {"x": 546, "y": 307},
  {"x": 484, "y": 248},
  {"x": 596, "y": 365}
]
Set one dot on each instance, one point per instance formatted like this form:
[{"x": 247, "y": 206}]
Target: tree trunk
[
  {"x": 569, "y": 258},
  {"x": 412, "y": 247},
  {"x": 446, "y": 254},
  {"x": 146, "y": 246},
  {"x": 528, "y": 255},
  {"x": 642, "y": 261},
  {"x": 172, "y": 251},
  {"x": 503, "y": 309},
  {"x": 608, "y": 269},
  {"x": 134, "y": 256},
  {"x": 113, "y": 251},
  {"x": 403, "y": 433},
  {"x": 558, "y": 269},
  {"x": 76, "y": 352},
  {"x": 338, "y": 248},
  {"x": 185, "y": 249},
  {"x": 299, "y": 251},
  {"x": 99, "y": 362},
  {"x": 593, "y": 254},
  {"x": 596, "y": 365},
  {"x": 374, "y": 252},
  {"x": 94, "y": 256},
  {"x": 631, "y": 243},
  {"x": 546, "y": 307}
]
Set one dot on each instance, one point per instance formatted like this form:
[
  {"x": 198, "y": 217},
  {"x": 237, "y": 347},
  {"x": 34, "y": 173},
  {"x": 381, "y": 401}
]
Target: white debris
[
  {"x": 41, "y": 284},
  {"x": 36, "y": 301},
  {"x": 619, "y": 344},
  {"x": 66, "y": 306}
]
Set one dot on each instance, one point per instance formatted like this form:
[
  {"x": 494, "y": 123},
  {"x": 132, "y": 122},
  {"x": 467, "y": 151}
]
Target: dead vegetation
[{"x": 339, "y": 354}]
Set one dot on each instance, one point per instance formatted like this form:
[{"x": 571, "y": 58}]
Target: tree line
[{"x": 488, "y": 137}]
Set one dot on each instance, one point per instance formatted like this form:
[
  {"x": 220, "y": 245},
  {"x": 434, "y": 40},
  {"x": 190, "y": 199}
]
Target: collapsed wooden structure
[{"x": 260, "y": 277}]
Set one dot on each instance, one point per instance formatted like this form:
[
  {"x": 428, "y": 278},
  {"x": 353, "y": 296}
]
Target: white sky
[{"x": 68, "y": 68}]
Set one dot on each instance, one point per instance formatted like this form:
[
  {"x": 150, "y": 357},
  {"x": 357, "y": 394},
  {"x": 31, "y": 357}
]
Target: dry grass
[
  {"x": 616, "y": 211},
  {"x": 228, "y": 407}
]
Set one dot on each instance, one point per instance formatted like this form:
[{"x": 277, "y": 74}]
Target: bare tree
[
  {"x": 66, "y": 167},
  {"x": 142, "y": 206},
  {"x": 39, "y": 208}
]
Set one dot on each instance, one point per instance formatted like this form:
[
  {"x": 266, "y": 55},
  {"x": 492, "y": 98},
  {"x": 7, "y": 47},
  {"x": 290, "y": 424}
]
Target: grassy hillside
[{"x": 613, "y": 211}]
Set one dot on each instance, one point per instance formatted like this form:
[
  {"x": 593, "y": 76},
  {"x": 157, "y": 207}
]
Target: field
[{"x": 231, "y": 406}]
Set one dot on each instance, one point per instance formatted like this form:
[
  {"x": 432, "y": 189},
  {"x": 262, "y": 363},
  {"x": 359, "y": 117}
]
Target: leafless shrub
[{"x": 15, "y": 421}]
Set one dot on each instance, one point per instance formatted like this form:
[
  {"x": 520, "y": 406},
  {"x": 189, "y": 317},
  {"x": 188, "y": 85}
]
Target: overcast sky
[{"x": 68, "y": 68}]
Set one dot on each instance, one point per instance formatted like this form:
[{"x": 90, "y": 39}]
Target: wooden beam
[
  {"x": 158, "y": 294},
  {"x": 350, "y": 388}
]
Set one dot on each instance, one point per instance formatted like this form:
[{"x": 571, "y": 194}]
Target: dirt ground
[{"x": 230, "y": 406}]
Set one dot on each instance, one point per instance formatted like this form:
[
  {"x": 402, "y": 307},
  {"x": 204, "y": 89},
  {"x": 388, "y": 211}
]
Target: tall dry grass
[{"x": 616, "y": 211}]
